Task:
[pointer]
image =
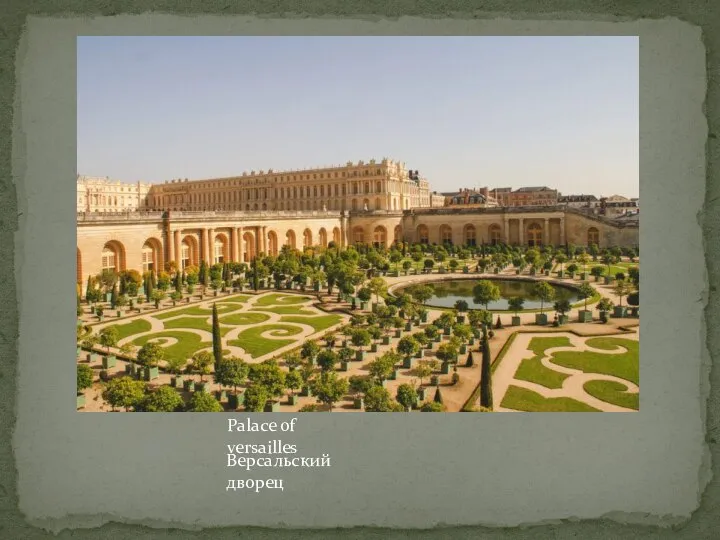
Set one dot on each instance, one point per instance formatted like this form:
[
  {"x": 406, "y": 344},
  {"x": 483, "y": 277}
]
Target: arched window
[
  {"x": 108, "y": 259},
  {"x": 358, "y": 235},
  {"x": 534, "y": 235},
  {"x": 307, "y": 238},
  {"x": 495, "y": 234},
  {"x": 323, "y": 237},
  {"x": 593, "y": 236},
  {"x": 470, "y": 235},
  {"x": 445, "y": 234},
  {"x": 423, "y": 234},
  {"x": 379, "y": 237}
]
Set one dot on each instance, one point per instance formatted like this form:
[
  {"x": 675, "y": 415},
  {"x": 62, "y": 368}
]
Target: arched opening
[
  {"x": 248, "y": 246},
  {"x": 189, "y": 252},
  {"x": 494, "y": 234},
  {"x": 113, "y": 256},
  {"x": 272, "y": 244},
  {"x": 307, "y": 238},
  {"x": 358, "y": 235},
  {"x": 290, "y": 239},
  {"x": 470, "y": 235},
  {"x": 323, "y": 237},
  {"x": 423, "y": 234},
  {"x": 593, "y": 236},
  {"x": 220, "y": 249},
  {"x": 379, "y": 236},
  {"x": 378, "y": 204},
  {"x": 445, "y": 234},
  {"x": 336, "y": 236},
  {"x": 397, "y": 234},
  {"x": 534, "y": 235},
  {"x": 152, "y": 256}
]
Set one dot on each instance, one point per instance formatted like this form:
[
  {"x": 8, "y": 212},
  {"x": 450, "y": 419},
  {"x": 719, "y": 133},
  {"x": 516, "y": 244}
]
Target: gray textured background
[{"x": 525, "y": 470}]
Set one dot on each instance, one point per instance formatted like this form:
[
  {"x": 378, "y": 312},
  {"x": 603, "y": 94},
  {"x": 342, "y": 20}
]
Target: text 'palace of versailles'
[{"x": 354, "y": 288}]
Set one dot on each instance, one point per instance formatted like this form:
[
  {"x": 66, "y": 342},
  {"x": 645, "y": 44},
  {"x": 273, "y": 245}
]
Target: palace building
[{"x": 237, "y": 218}]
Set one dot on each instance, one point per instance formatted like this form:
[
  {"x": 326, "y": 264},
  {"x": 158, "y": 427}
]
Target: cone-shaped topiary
[
  {"x": 486, "y": 376},
  {"x": 438, "y": 396},
  {"x": 470, "y": 362},
  {"x": 217, "y": 343},
  {"x": 498, "y": 324}
]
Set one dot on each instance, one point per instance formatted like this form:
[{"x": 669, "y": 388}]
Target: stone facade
[
  {"x": 384, "y": 185},
  {"x": 100, "y": 194}
]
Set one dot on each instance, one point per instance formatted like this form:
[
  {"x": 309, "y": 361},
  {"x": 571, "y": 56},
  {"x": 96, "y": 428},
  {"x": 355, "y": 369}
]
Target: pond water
[{"x": 446, "y": 293}]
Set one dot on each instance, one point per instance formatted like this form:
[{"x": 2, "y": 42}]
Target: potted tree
[
  {"x": 150, "y": 355},
  {"x": 597, "y": 272},
  {"x": 461, "y": 306},
  {"x": 84, "y": 381},
  {"x": 633, "y": 301},
  {"x": 585, "y": 291},
  {"x": 603, "y": 306},
  {"x": 621, "y": 289},
  {"x": 175, "y": 365},
  {"x": 561, "y": 308},
  {"x": 545, "y": 293},
  {"x": 572, "y": 268},
  {"x": 293, "y": 381},
  {"x": 516, "y": 305},
  {"x": 561, "y": 258},
  {"x": 359, "y": 385}
]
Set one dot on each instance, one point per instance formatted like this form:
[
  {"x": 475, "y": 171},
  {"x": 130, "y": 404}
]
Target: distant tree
[
  {"x": 485, "y": 292},
  {"x": 544, "y": 291},
  {"x": 406, "y": 396},
  {"x": 256, "y": 397},
  {"x": 329, "y": 388},
  {"x": 109, "y": 337},
  {"x": 585, "y": 291},
  {"x": 162, "y": 399},
  {"x": 432, "y": 406},
  {"x": 232, "y": 372},
  {"x": 150, "y": 354},
  {"x": 408, "y": 346},
  {"x": 204, "y": 402},
  {"x": 84, "y": 377},
  {"x": 201, "y": 362},
  {"x": 377, "y": 399},
  {"x": 123, "y": 392},
  {"x": 326, "y": 360},
  {"x": 309, "y": 350},
  {"x": 216, "y": 337}
]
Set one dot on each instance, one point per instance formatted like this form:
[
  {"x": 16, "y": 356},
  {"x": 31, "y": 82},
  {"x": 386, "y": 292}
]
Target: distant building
[
  {"x": 617, "y": 205},
  {"x": 578, "y": 201},
  {"x": 470, "y": 197},
  {"x": 525, "y": 196},
  {"x": 100, "y": 194}
]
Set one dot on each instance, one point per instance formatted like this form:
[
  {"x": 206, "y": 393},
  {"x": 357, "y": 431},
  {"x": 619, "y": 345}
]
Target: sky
[{"x": 466, "y": 112}]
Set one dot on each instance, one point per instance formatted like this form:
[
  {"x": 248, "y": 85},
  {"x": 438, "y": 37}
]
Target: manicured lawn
[
  {"x": 138, "y": 326},
  {"x": 625, "y": 365},
  {"x": 233, "y": 300},
  {"x": 521, "y": 399},
  {"x": 243, "y": 318},
  {"x": 186, "y": 346},
  {"x": 287, "y": 310},
  {"x": 318, "y": 323},
  {"x": 256, "y": 345},
  {"x": 532, "y": 370},
  {"x": 281, "y": 299},
  {"x": 193, "y": 322},
  {"x": 196, "y": 310},
  {"x": 614, "y": 393}
]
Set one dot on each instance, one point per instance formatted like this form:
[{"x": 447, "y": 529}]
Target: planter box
[
  {"x": 408, "y": 326},
  {"x": 81, "y": 401},
  {"x": 447, "y": 331},
  {"x": 561, "y": 274},
  {"x": 398, "y": 333},
  {"x": 445, "y": 368},
  {"x": 306, "y": 391},
  {"x": 235, "y": 400},
  {"x": 434, "y": 380},
  {"x": 408, "y": 362},
  {"x": 441, "y": 270},
  {"x": 130, "y": 369},
  {"x": 421, "y": 394},
  {"x": 419, "y": 353},
  {"x": 620, "y": 311},
  {"x": 344, "y": 343},
  {"x": 608, "y": 280},
  {"x": 463, "y": 349},
  {"x": 316, "y": 287},
  {"x": 189, "y": 385},
  {"x": 344, "y": 366},
  {"x": 532, "y": 271},
  {"x": 386, "y": 340},
  {"x": 201, "y": 387},
  {"x": 423, "y": 317},
  {"x": 221, "y": 395},
  {"x": 516, "y": 321},
  {"x": 393, "y": 375},
  {"x": 358, "y": 403},
  {"x": 603, "y": 316},
  {"x": 547, "y": 272},
  {"x": 374, "y": 307},
  {"x": 563, "y": 319},
  {"x": 374, "y": 347},
  {"x": 583, "y": 275},
  {"x": 109, "y": 361},
  {"x": 363, "y": 306},
  {"x": 471, "y": 341},
  {"x": 584, "y": 316},
  {"x": 438, "y": 338},
  {"x": 572, "y": 275},
  {"x": 177, "y": 381},
  {"x": 104, "y": 375},
  {"x": 272, "y": 406},
  {"x": 359, "y": 355},
  {"x": 293, "y": 400},
  {"x": 466, "y": 269},
  {"x": 353, "y": 303},
  {"x": 517, "y": 272},
  {"x": 541, "y": 318},
  {"x": 460, "y": 319},
  {"x": 119, "y": 313},
  {"x": 151, "y": 373},
  {"x": 93, "y": 357},
  {"x": 79, "y": 351},
  {"x": 496, "y": 271}
]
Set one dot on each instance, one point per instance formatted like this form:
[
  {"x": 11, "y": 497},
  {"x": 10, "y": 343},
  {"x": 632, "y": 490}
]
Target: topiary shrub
[{"x": 498, "y": 324}]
